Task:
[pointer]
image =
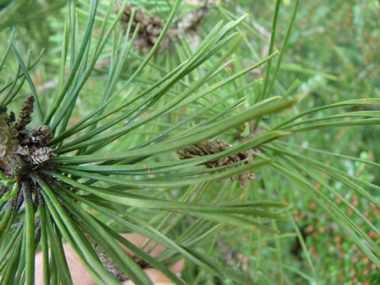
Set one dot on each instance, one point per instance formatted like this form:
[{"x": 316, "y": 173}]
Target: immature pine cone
[{"x": 208, "y": 147}]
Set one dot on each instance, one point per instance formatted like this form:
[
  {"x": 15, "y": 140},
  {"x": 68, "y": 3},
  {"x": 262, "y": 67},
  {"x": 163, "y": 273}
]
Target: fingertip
[
  {"x": 178, "y": 267},
  {"x": 78, "y": 271},
  {"x": 134, "y": 238},
  {"x": 139, "y": 240},
  {"x": 39, "y": 269},
  {"x": 157, "y": 251},
  {"x": 156, "y": 276}
]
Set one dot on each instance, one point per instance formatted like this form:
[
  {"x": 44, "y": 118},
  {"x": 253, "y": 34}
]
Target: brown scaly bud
[
  {"x": 208, "y": 147},
  {"x": 25, "y": 115},
  {"x": 10, "y": 163}
]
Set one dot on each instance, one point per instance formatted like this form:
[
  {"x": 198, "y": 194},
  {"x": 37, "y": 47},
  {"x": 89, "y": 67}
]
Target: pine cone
[
  {"x": 149, "y": 31},
  {"x": 151, "y": 27},
  {"x": 208, "y": 147}
]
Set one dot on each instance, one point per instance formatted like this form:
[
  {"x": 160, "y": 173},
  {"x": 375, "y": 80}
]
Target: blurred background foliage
[
  {"x": 334, "y": 51},
  {"x": 340, "y": 38}
]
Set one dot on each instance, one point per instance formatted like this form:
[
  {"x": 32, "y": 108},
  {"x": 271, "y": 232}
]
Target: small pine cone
[
  {"x": 151, "y": 26},
  {"x": 208, "y": 147},
  {"x": 149, "y": 31},
  {"x": 41, "y": 155},
  {"x": 191, "y": 21},
  {"x": 242, "y": 178},
  {"x": 223, "y": 145}
]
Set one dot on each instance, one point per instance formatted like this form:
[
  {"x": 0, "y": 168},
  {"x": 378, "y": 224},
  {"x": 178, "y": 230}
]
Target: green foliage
[{"x": 117, "y": 117}]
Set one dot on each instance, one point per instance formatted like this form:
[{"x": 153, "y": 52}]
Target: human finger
[
  {"x": 78, "y": 271},
  {"x": 139, "y": 240},
  {"x": 157, "y": 277}
]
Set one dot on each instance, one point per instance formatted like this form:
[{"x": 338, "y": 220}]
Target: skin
[{"x": 81, "y": 276}]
